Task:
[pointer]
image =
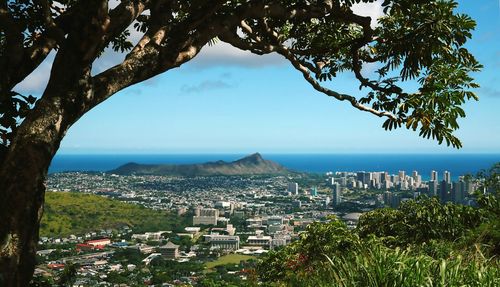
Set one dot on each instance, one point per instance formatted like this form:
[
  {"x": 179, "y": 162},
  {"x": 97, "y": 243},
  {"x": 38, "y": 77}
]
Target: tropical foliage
[
  {"x": 421, "y": 220},
  {"x": 423, "y": 243}
]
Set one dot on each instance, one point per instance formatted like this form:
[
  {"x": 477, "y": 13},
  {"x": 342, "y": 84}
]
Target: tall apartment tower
[
  {"x": 367, "y": 178},
  {"x": 458, "y": 191},
  {"x": 433, "y": 188},
  {"x": 445, "y": 191},
  {"x": 336, "y": 194},
  {"x": 402, "y": 175},
  {"x": 293, "y": 188},
  {"x": 447, "y": 177},
  {"x": 414, "y": 174},
  {"x": 434, "y": 175}
]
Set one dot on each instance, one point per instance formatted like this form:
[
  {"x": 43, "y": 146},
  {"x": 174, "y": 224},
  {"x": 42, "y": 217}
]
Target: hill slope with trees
[{"x": 76, "y": 213}]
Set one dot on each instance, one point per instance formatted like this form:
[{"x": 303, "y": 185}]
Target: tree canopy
[{"x": 414, "y": 41}]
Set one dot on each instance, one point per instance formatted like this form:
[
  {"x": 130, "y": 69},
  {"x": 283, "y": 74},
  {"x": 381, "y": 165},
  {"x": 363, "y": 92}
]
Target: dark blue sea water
[{"x": 457, "y": 164}]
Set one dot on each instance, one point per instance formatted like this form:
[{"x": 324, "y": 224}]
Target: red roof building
[{"x": 99, "y": 242}]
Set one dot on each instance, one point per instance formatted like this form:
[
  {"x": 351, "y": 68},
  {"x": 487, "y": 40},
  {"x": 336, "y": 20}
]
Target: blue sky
[{"x": 228, "y": 101}]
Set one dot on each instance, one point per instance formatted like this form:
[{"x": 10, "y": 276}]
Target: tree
[
  {"x": 421, "y": 220},
  {"x": 414, "y": 41}
]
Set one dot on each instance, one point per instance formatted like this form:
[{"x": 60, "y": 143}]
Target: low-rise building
[
  {"x": 170, "y": 250},
  {"x": 259, "y": 240},
  {"x": 225, "y": 242},
  {"x": 206, "y": 216},
  {"x": 99, "y": 242},
  {"x": 192, "y": 230}
]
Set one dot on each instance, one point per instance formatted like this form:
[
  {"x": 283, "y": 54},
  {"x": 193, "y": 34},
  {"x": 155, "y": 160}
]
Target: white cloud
[
  {"x": 223, "y": 54},
  {"x": 373, "y": 10}
]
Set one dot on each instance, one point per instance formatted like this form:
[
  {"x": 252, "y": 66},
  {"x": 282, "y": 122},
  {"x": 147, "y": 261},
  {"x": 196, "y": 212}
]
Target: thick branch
[
  {"x": 13, "y": 51},
  {"x": 122, "y": 16}
]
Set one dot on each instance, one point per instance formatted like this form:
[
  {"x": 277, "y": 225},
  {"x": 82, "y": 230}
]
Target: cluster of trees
[
  {"x": 422, "y": 243},
  {"x": 76, "y": 213}
]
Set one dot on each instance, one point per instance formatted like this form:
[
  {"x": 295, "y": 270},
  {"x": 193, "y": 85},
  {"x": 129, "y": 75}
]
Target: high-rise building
[
  {"x": 360, "y": 175},
  {"x": 414, "y": 174},
  {"x": 377, "y": 177},
  {"x": 458, "y": 191},
  {"x": 391, "y": 199},
  {"x": 447, "y": 177},
  {"x": 367, "y": 177},
  {"x": 469, "y": 187},
  {"x": 402, "y": 175},
  {"x": 403, "y": 185},
  {"x": 418, "y": 180},
  {"x": 387, "y": 198},
  {"x": 336, "y": 194},
  {"x": 343, "y": 181},
  {"x": 387, "y": 185},
  {"x": 444, "y": 191},
  {"x": 293, "y": 188},
  {"x": 386, "y": 177},
  {"x": 433, "y": 188},
  {"x": 434, "y": 176}
]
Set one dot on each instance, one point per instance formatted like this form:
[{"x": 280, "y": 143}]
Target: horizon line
[{"x": 282, "y": 153}]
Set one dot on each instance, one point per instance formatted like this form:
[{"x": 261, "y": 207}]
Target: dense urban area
[{"x": 225, "y": 222}]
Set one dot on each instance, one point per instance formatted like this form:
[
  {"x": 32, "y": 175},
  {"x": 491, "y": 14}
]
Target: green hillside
[{"x": 76, "y": 213}]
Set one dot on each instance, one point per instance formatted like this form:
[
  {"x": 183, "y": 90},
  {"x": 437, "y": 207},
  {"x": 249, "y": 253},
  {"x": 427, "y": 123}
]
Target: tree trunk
[
  {"x": 23, "y": 173},
  {"x": 22, "y": 198}
]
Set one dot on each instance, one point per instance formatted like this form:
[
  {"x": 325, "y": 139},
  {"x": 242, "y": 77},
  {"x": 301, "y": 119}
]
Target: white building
[
  {"x": 336, "y": 194},
  {"x": 260, "y": 240},
  {"x": 447, "y": 177},
  {"x": 434, "y": 176},
  {"x": 205, "y": 216},
  {"x": 225, "y": 242}
]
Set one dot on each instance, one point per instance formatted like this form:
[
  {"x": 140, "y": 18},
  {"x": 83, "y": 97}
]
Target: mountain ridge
[{"x": 253, "y": 164}]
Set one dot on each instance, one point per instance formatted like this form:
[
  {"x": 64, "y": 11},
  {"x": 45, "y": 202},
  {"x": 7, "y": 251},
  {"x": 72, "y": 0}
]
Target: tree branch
[{"x": 284, "y": 51}]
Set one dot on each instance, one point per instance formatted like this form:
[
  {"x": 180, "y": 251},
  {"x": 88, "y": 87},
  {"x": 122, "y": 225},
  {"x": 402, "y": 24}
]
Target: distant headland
[{"x": 253, "y": 164}]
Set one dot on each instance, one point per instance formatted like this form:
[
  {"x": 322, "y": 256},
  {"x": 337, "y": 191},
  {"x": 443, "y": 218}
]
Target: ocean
[{"x": 457, "y": 164}]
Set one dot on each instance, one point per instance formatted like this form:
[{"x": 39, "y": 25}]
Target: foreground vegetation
[
  {"x": 68, "y": 213},
  {"x": 423, "y": 243}
]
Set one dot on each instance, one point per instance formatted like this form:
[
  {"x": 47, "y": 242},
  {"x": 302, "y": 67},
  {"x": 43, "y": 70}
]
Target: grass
[{"x": 228, "y": 259}]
